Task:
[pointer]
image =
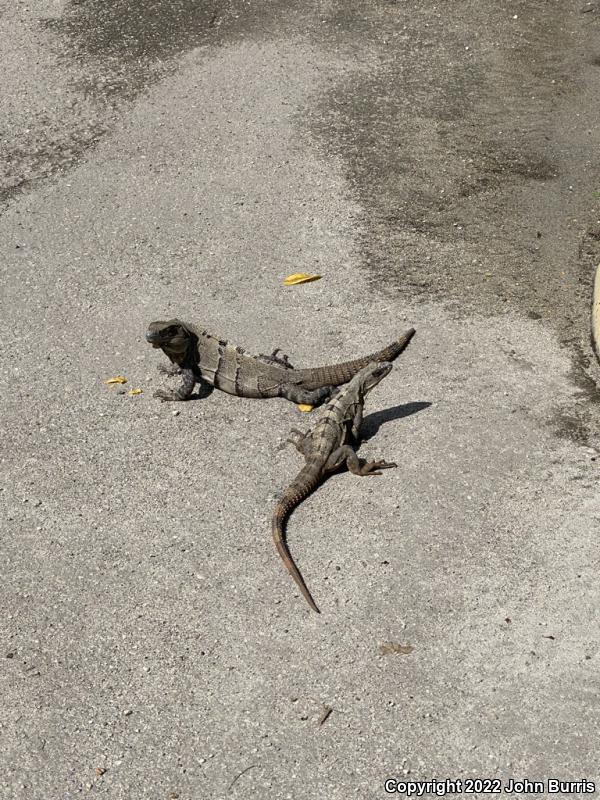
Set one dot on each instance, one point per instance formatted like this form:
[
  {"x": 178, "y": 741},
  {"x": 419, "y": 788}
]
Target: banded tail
[
  {"x": 293, "y": 496},
  {"x": 337, "y": 374}
]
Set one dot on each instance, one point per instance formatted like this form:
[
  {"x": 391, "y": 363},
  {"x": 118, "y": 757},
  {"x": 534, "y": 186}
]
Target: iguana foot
[
  {"x": 355, "y": 464},
  {"x": 165, "y": 395},
  {"x": 369, "y": 467},
  {"x": 169, "y": 369},
  {"x": 281, "y": 361}
]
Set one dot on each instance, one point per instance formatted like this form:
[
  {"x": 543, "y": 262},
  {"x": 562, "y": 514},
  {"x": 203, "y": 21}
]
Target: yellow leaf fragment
[
  {"x": 131, "y": 392},
  {"x": 116, "y": 379},
  {"x": 305, "y": 407},
  {"x": 300, "y": 277}
]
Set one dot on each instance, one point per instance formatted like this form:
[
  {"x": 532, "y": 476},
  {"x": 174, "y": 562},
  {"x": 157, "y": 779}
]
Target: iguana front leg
[
  {"x": 183, "y": 392},
  {"x": 357, "y": 422}
]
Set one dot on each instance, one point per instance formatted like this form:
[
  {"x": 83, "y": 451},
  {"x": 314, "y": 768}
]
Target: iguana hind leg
[
  {"x": 355, "y": 465},
  {"x": 300, "y": 396},
  {"x": 301, "y": 441},
  {"x": 368, "y": 468},
  {"x": 372, "y": 467}
]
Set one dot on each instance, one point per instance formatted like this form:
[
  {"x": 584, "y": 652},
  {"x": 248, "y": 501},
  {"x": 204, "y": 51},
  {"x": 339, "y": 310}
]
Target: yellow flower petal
[
  {"x": 116, "y": 379},
  {"x": 134, "y": 391},
  {"x": 300, "y": 277},
  {"x": 305, "y": 407}
]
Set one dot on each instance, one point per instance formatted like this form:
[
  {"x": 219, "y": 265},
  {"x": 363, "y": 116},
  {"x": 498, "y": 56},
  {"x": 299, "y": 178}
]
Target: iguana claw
[
  {"x": 281, "y": 361},
  {"x": 164, "y": 395},
  {"x": 169, "y": 369}
]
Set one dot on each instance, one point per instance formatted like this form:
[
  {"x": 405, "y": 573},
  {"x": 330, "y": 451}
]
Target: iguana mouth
[{"x": 154, "y": 338}]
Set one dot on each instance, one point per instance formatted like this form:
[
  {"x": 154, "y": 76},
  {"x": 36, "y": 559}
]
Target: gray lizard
[
  {"x": 325, "y": 449},
  {"x": 200, "y": 357}
]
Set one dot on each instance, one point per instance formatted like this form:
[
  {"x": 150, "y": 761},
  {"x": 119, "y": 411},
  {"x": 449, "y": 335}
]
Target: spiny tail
[
  {"x": 337, "y": 374},
  {"x": 307, "y": 480}
]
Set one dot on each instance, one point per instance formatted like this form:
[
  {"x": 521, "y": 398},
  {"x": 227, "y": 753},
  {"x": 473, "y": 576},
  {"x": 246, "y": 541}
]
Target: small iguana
[
  {"x": 326, "y": 448},
  {"x": 200, "y": 357}
]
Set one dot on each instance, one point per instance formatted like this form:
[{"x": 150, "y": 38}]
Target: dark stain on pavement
[
  {"x": 138, "y": 32},
  {"x": 117, "y": 48},
  {"x": 139, "y": 29}
]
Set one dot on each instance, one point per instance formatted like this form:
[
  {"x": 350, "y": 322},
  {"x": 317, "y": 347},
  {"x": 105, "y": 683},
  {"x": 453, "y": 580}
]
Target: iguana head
[
  {"x": 370, "y": 375},
  {"x": 172, "y": 337}
]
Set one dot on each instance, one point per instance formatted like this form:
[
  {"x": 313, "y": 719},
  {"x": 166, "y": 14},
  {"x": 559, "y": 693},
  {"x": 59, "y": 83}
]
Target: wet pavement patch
[{"x": 474, "y": 166}]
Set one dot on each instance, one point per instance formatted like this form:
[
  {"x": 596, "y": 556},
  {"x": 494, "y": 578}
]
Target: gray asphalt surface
[{"x": 438, "y": 165}]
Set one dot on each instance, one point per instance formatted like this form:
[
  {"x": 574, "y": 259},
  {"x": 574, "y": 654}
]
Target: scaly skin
[
  {"x": 326, "y": 448},
  {"x": 202, "y": 357}
]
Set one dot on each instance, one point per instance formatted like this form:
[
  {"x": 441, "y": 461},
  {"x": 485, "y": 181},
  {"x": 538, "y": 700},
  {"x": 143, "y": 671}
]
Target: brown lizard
[
  {"x": 200, "y": 357},
  {"x": 325, "y": 449}
]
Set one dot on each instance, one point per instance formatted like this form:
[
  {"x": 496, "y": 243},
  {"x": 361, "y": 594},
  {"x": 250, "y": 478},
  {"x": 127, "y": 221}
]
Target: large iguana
[
  {"x": 326, "y": 448},
  {"x": 200, "y": 357}
]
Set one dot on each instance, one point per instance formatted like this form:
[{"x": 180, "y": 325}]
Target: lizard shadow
[{"x": 372, "y": 422}]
